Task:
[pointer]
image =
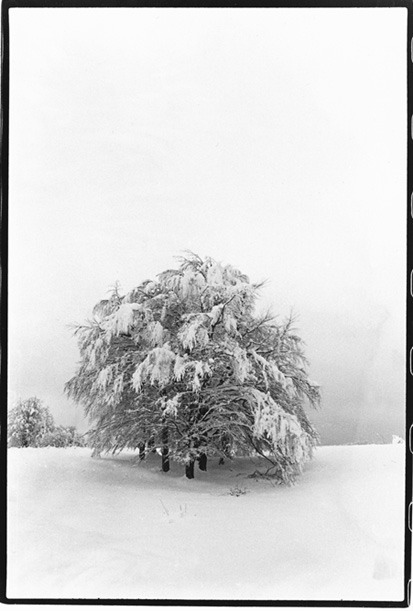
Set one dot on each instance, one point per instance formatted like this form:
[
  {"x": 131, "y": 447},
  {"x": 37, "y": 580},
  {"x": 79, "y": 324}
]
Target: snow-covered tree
[
  {"x": 28, "y": 422},
  {"x": 184, "y": 363}
]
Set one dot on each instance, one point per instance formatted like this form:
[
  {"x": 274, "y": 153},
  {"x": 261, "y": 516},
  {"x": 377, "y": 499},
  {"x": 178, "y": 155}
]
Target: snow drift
[{"x": 117, "y": 528}]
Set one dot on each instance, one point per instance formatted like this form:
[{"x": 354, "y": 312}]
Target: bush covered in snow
[
  {"x": 30, "y": 424},
  {"x": 184, "y": 363},
  {"x": 62, "y": 437}
]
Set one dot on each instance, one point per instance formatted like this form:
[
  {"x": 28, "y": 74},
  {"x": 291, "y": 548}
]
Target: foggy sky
[{"x": 271, "y": 139}]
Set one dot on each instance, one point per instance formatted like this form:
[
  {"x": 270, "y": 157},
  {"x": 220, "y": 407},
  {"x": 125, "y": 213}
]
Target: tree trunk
[
  {"x": 189, "y": 469},
  {"x": 142, "y": 454},
  {"x": 165, "y": 450},
  {"x": 202, "y": 462}
]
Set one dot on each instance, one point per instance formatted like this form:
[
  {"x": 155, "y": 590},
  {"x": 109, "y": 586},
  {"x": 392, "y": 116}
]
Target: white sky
[{"x": 271, "y": 139}]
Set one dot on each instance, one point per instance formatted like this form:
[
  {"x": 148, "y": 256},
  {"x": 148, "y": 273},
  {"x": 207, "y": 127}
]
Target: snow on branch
[
  {"x": 157, "y": 366},
  {"x": 193, "y": 332},
  {"x": 121, "y": 321},
  {"x": 283, "y": 430}
]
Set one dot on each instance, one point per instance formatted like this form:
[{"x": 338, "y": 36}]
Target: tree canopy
[{"x": 185, "y": 363}]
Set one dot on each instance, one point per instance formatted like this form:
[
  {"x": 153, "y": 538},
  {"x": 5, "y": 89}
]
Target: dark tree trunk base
[
  {"x": 142, "y": 454},
  {"x": 165, "y": 459},
  {"x": 165, "y": 450},
  {"x": 202, "y": 462},
  {"x": 189, "y": 469}
]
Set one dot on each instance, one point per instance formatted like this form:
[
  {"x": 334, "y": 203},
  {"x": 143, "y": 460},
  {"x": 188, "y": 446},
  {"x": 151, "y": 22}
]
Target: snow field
[{"x": 117, "y": 528}]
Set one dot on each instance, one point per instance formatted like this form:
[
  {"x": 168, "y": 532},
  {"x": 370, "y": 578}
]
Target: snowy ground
[{"x": 114, "y": 528}]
